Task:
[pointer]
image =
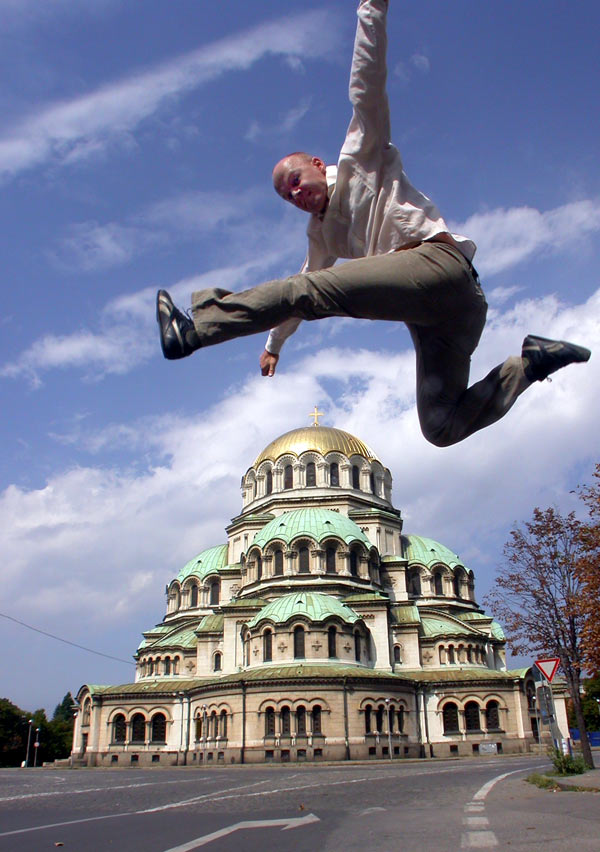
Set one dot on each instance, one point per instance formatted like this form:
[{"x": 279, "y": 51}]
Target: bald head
[{"x": 300, "y": 179}]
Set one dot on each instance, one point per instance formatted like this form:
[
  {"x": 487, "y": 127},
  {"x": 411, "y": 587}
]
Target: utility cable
[{"x": 66, "y": 641}]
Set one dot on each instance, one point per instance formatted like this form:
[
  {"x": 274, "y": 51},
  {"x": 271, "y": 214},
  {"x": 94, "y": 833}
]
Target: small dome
[
  {"x": 427, "y": 552},
  {"x": 317, "y": 524},
  {"x": 312, "y": 605},
  {"x": 207, "y": 562},
  {"x": 321, "y": 439}
]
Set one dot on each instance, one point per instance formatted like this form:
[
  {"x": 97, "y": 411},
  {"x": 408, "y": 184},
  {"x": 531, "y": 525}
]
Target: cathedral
[{"x": 317, "y": 630}]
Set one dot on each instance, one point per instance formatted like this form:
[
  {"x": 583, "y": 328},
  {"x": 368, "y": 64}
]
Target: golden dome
[{"x": 321, "y": 439}]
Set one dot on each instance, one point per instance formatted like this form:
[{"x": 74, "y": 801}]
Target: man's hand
[{"x": 268, "y": 363}]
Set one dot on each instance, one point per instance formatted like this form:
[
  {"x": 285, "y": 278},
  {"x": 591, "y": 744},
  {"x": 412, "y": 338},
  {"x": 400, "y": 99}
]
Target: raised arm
[{"x": 370, "y": 124}]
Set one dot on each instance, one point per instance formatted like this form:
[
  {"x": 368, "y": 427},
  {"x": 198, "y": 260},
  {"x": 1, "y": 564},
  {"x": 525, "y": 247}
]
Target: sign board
[
  {"x": 488, "y": 748},
  {"x": 548, "y": 667}
]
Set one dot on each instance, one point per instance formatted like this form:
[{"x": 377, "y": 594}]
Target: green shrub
[{"x": 566, "y": 764}]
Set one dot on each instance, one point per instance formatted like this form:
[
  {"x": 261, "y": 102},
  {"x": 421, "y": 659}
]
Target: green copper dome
[
  {"x": 317, "y": 524},
  {"x": 207, "y": 562},
  {"x": 312, "y": 605},
  {"x": 427, "y": 552}
]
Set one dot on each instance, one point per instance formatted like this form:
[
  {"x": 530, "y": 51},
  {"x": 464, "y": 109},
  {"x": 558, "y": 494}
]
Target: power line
[{"x": 66, "y": 641}]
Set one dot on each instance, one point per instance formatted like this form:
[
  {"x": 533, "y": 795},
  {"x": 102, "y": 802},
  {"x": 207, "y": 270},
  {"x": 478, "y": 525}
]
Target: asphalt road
[{"x": 409, "y": 806}]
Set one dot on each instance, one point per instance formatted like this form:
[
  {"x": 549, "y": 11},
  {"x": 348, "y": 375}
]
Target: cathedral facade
[{"x": 318, "y": 630}]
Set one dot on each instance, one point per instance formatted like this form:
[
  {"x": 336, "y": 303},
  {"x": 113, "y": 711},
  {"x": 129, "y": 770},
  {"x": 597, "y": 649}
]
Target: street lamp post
[
  {"x": 28, "y": 742},
  {"x": 389, "y": 727},
  {"x": 36, "y": 746}
]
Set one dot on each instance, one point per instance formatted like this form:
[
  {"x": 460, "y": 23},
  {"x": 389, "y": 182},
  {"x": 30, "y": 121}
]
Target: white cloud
[
  {"x": 507, "y": 237},
  {"x": 282, "y": 126},
  {"x": 98, "y": 543},
  {"x": 420, "y": 62},
  {"x": 90, "y": 122}
]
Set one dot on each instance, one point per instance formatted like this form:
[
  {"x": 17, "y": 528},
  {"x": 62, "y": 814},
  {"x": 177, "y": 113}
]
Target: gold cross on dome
[{"x": 316, "y": 414}]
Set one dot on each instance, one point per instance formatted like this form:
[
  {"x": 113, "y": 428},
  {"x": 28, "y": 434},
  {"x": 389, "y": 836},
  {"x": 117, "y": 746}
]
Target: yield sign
[{"x": 548, "y": 667}]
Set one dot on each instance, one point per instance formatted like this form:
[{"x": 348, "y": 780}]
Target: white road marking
[
  {"x": 67, "y": 792},
  {"x": 370, "y": 811},
  {"x": 293, "y": 822},
  {"x": 477, "y": 837}
]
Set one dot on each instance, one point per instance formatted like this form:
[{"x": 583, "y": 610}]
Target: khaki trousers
[{"x": 432, "y": 288}]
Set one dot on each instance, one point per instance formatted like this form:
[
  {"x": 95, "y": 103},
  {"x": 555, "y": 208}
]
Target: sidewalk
[{"x": 590, "y": 780}]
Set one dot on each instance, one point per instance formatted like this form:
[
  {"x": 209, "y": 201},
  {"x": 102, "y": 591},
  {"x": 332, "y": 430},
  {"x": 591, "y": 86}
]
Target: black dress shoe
[
  {"x": 178, "y": 336},
  {"x": 542, "y": 357}
]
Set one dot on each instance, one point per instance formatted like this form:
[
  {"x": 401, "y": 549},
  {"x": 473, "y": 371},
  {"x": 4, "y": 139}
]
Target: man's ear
[{"x": 319, "y": 164}]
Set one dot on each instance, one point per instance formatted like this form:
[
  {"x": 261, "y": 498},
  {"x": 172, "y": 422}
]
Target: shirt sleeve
[{"x": 370, "y": 125}]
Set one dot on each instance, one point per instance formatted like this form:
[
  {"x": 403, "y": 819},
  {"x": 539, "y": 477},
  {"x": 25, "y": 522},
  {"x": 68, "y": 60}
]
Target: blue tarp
[{"x": 593, "y": 736}]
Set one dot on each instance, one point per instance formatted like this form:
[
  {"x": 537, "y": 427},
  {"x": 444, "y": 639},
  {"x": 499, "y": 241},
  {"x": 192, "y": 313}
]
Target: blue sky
[{"x": 136, "y": 147}]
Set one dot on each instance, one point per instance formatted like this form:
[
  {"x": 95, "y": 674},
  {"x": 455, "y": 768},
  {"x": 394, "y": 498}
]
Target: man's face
[{"x": 302, "y": 183}]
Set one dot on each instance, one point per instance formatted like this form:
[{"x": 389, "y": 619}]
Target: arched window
[
  {"x": 215, "y": 592},
  {"x": 119, "y": 728},
  {"x": 457, "y": 584},
  {"x": 278, "y": 563},
  {"x": 334, "y": 474},
  {"x": 414, "y": 583},
  {"x": 301, "y": 721},
  {"x": 472, "y": 720},
  {"x": 354, "y": 563},
  {"x": 288, "y": 477},
  {"x": 286, "y": 728},
  {"x": 438, "y": 586},
  {"x": 492, "y": 716},
  {"x": 451, "y": 655},
  {"x": 217, "y": 662},
  {"x": 269, "y": 482},
  {"x": 368, "y": 719},
  {"x": 151, "y": 666},
  {"x": 214, "y": 725},
  {"x": 158, "y": 728},
  {"x": 330, "y": 560},
  {"x": 85, "y": 716},
  {"x": 400, "y": 718},
  {"x": 138, "y": 728},
  {"x": 259, "y": 568},
  {"x": 379, "y": 716},
  {"x": 311, "y": 474},
  {"x": 198, "y": 727},
  {"x": 469, "y": 653},
  {"x": 247, "y": 649},
  {"x": 450, "y": 718},
  {"x": 175, "y": 665},
  {"x": 332, "y": 642},
  {"x": 223, "y": 724},
  {"x": 303, "y": 560},
  {"x": 316, "y": 720},
  {"x": 177, "y": 600},
  {"x": 267, "y": 646},
  {"x": 167, "y": 666},
  {"x": 357, "y": 647},
  {"x": 397, "y": 655},
  {"x": 355, "y": 476},
  {"x": 372, "y": 483},
  {"x": 298, "y": 643},
  {"x": 194, "y": 595},
  {"x": 269, "y": 722}
]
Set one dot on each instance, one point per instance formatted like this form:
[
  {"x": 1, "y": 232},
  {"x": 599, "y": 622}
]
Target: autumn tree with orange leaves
[
  {"x": 588, "y": 575},
  {"x": 538, "y": 596}
]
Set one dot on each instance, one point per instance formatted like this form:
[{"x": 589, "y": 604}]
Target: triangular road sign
[{"x": 548, "y": 667}]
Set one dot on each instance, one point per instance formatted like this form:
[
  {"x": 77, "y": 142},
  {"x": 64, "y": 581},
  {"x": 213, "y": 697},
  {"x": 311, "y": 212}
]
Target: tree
[
  {"x": 588, "y": 573},
  {"x": 537, "y": 598},
  {"x": 14, "y": 727}
]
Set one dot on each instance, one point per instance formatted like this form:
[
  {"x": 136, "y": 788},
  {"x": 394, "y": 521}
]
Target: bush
[{"x": 566, "y": 764}]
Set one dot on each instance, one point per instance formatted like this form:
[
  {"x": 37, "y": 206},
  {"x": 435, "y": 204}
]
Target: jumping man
[{"x": 405, "y": 265}]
